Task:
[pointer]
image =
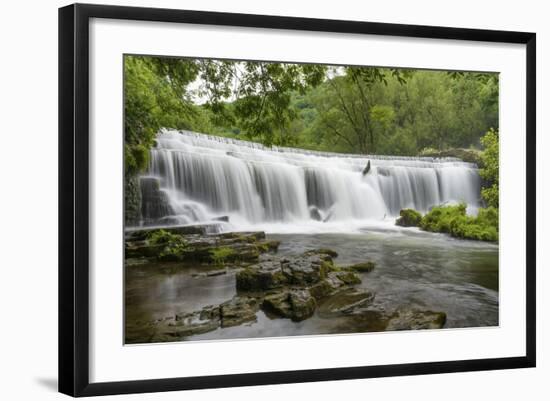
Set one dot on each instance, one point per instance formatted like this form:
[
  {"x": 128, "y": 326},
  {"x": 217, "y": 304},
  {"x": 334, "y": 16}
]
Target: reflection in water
[{"x": 413, "y": 270}]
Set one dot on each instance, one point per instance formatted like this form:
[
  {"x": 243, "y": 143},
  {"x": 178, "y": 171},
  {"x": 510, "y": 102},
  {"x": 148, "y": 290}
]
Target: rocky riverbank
[{"x": 294, "y": 287}]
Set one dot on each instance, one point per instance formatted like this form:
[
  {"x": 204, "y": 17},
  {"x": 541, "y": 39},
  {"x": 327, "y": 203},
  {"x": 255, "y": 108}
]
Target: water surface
[{"x": 414, "y": 269}]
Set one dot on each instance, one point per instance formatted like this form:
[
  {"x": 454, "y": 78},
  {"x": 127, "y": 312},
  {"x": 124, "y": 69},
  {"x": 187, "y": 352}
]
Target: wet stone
[
  {"x": 416, "y": 320},
  {"x": 346, "y": 301},
  {"x": 239, "y": 310}
]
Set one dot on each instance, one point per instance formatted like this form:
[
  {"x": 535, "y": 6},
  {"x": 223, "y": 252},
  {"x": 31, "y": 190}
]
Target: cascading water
[{"x": 197, "y": 178}]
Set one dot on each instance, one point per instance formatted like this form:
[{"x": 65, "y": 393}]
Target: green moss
[
  {"x": 349, "y": 278},
  {"x": 454, "y": 221},
  {"x": 174, "y": 244},
  {"x": 268, "y": 246},
  {"x": 222, "y": 254},
  {"x": 408, "y": 218}
]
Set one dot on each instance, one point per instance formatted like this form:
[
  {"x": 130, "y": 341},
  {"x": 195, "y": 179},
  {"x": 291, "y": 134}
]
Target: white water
[{"x": 294, "y": 190}]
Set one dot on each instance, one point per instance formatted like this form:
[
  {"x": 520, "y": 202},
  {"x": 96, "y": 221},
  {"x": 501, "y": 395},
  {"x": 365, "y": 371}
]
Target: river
[{"x": 414, "y": 269}]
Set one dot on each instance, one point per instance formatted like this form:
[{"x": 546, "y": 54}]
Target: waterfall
[{"x": 198, "y": 178}]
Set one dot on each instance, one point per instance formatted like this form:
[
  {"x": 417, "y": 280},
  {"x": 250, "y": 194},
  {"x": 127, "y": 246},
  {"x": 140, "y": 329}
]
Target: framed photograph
[{"x": 250, "y": 199}]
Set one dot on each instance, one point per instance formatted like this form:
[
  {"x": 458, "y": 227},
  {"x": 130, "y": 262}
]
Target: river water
[{"x": 414, "y": 269}]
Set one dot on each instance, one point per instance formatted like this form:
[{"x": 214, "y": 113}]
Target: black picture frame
[{"x": 74, "y": 198}]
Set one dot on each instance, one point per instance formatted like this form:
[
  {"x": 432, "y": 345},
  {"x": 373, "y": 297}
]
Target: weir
[{"x": 198, "y": 178}]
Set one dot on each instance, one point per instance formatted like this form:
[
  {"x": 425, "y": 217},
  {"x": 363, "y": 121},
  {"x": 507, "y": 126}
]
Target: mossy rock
[
  {"x": 239, "y": 310},
  {"x": 322, "y": 251},
  {"x": 296, "y": 305},
  {"x": 348, "y": 277},
  {"x": 416, "y": 320},
  {"x": 409, "y": 218},
  {"x": 222, "y": 255},
  {"x": 268, "y": 246},
  {"x": 253, "y": 279},
  {"x": 364, "y": 267}
]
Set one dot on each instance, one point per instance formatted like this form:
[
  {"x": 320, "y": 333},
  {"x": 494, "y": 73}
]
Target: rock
[
  {"x": 245, "y": 236},
  {"x": 348, "y": 277},
  {"x": 303, "y": 305},
  {"x": 142, "y": 249},
  {"x": 132, "y": 201},
  {"x": 142, "y": 233},
  {"x": 363, "y": 267},
  {"x": 242, "y": 248},
  {"x": 416, "y": 320},
  {"x": 315, "y": 214},
  {"x": 189, "y": 324},
  {"x": 296, "y": 305},
  {"x": 239, "y": 310},
  {"x": 345, "y": 301},
  {"x": 266, "y": 276},
  {"x": 367, "y": 168},
  {"x": 466, "y": 155},
  {"x": 326, "y": 286},
  {"x": 408, "y": 218},
  {"x": 322, "y": 251},
  {"x": 308, "y": 268},
  {"x": 278, "y": 304},
  {"x": 222, "y": 218},
  {"x": 154, "y": 201},
  {"x": 268, "y": 245},
  {"x": 214, "y": 273}
]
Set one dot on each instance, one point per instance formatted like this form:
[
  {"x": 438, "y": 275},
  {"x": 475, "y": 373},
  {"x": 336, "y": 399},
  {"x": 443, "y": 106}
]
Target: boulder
[
  {"x": 308, "y": 268},
  {"x": 265, "y": 276},
  {"x": 278, "y": 304},
  {"x": 238, "y": 310},
  {"x": 296, "y": 304},
  {"x": 303, "y": 304},
  {"x": 327, "y": 286},
  {"x": 416, "y": 320}
]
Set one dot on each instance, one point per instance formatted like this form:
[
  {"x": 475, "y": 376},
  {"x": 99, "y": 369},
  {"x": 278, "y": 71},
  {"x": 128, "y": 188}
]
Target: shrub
[
  {"x": 454, "y": 221},
  {"x": 408, "y": 218}
]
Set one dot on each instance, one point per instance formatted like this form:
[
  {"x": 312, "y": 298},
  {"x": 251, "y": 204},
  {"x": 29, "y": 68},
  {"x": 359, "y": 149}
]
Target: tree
[{"x": 489, "y": 171}]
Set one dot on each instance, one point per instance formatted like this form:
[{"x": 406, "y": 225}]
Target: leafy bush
[
  {"x": 454, "y": 221},
  {"x": 489, "y": 171},
  {"x": 408, "y": 218}
]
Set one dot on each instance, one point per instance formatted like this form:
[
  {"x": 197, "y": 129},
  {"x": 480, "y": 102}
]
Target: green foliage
[
  {"x": 155, "y": 97},
  {"x": 454, "y": 221},
  {"x": 382, "y": 114},
  {"x": 408, "y": 218},
  {"x": 222, "y": 254},
  {"x": 174, "y": 244},
  {"x": 366, "y": 110},
  {"x": 489, "y": 171}
]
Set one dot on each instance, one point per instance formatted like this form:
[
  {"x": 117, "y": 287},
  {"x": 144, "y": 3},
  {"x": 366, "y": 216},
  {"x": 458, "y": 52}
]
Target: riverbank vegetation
[{"x": 453, "y": 219}]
